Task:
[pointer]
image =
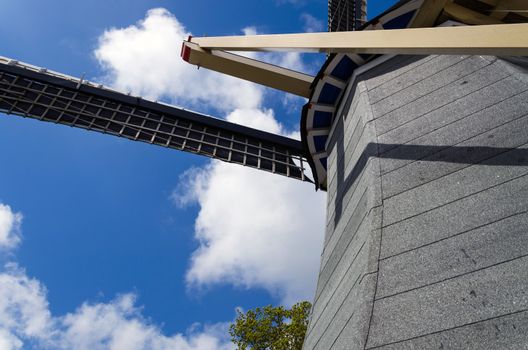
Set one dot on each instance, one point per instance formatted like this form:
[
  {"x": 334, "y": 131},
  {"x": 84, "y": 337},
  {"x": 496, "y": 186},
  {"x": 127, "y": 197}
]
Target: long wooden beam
[
  {"x": 498, "y": 40},
  {"x": 248, "y": 69}
]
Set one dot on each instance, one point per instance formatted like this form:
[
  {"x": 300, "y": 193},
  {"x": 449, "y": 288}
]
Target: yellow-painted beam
[
  {"x": 498, "y": 40},
  {"x": 249, "y": 69}
]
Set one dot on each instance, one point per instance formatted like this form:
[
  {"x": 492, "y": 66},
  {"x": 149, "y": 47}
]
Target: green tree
[{"x": 271, "y": 328}]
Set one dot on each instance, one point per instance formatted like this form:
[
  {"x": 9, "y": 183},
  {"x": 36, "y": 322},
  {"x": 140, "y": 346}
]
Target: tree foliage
[{"x": 271, "y": 328}]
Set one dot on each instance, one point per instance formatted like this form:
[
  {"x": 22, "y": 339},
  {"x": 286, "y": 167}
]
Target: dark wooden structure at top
[{"x": 346, "y": 15}]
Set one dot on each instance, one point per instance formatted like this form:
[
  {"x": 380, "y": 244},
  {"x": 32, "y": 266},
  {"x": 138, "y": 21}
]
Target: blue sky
[{"x": 101, "y": 218}]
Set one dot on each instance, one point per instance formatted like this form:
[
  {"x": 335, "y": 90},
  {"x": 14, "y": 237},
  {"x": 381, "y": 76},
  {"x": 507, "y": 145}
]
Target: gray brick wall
[{"x": 426, "y": 244}]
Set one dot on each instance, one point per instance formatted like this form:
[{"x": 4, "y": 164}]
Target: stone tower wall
[{"x": 426, "y": 244}]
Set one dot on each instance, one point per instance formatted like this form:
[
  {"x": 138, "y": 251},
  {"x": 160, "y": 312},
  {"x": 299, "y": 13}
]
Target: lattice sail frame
[
  {"x": 346, "y": 15},
  {"x": 34, "y": 92}
]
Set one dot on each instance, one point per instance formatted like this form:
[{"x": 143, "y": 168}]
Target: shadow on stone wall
[{"x": 469, "y": 155}]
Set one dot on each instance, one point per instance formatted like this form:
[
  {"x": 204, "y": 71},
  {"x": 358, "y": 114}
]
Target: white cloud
[
  {"x": 8, "y": 341},
  {"x": 25, "y": 318},
  {"x": 119, "y": 325},
  {"x": 24, "y": 312},
  {"x": 311, "y": 24},
  {"x": 144, "y": 59},
  {"x": 9, "y": 227},
  {"x": 255, "y": 229}
]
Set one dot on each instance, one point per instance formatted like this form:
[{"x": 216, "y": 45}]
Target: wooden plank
[
  {"x": 248, "y": 69},
  {"x": 498, "y": 40}
]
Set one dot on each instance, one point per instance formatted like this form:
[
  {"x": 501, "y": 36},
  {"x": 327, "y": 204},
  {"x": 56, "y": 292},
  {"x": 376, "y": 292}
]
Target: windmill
[
  {"x": 410, "y": 27},
  {"x": 38, "y": 93}
]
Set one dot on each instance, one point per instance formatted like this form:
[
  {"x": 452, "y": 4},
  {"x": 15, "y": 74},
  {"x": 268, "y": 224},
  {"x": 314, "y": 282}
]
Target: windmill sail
[
  {"x": 346, "y": 15},
  {"x": 34, "y": 92}
]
